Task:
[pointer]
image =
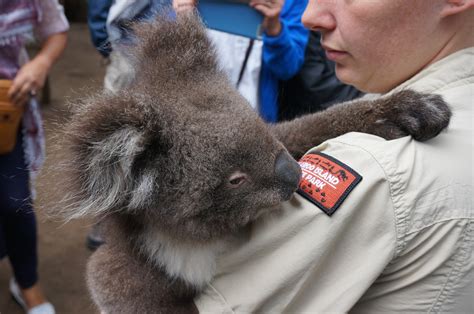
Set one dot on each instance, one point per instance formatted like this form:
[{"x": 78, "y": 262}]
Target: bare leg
[{"x": 33, "y": 296}]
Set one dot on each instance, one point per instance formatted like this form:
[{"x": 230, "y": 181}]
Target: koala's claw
[{"x": 423, "y": 116}]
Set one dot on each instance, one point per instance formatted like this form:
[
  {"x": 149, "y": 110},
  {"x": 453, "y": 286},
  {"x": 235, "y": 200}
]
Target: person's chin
[
  {"x": 345, "y": 74},
  {"x": 366, "y": 77},
  {"x": 349, "y": 75}
]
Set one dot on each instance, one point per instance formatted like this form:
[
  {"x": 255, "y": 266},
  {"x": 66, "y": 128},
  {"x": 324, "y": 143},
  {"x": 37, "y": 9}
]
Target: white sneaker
[{"x": 44, "y": 308}]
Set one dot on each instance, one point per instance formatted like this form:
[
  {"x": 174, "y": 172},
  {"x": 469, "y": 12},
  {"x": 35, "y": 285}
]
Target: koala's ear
[{"x": 101, "y": 170}]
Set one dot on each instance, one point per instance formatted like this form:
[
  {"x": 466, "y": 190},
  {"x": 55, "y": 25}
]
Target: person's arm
[
  {"x": 32, "y": 75},
  {"x": 97, "y": 19},
  {"x": 283, "y": 54},
  {"x": 183, "y": 5},
  {"x": 284, "y": 39},
  {"x": 271, "y": 10},
  {"x": 51, "y": 30}
]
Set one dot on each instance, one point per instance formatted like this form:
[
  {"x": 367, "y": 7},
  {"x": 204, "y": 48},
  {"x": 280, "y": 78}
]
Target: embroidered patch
[{"x": 325, "y": 181}]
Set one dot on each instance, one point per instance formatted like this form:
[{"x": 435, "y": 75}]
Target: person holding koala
[
  {"x": 376, "y": 225},
  {"x": 196, "y": 192}
]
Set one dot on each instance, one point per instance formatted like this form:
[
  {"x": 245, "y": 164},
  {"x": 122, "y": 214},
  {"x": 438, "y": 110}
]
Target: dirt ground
[{"x": 62, "y": 250}]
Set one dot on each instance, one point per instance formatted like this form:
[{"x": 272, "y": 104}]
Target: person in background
[
  {"x": 278, "y": 57},
  {"x": 315, "y": 87},
  {"x": 19, "y": 21},
  {"x": 109, "y": 26},
  {"x": 97, "y": 13},
  {"x": 387, "y": 227}
]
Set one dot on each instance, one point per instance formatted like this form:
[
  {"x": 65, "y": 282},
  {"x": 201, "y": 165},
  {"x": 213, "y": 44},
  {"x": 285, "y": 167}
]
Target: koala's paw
[{"x": 423, "y": 116}]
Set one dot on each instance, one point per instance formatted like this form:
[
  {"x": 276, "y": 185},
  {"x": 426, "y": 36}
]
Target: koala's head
[{"x": 180, "y": 149}]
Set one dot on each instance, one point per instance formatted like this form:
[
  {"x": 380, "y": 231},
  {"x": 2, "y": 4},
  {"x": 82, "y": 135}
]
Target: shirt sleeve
[
  {"x": 284, "y": 54},
  {"x": 53, "y": 20},
  {"x": 301, "y": 260}
]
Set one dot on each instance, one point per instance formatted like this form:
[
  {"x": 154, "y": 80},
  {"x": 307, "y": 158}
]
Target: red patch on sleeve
[{"x": 326, "y": 182}]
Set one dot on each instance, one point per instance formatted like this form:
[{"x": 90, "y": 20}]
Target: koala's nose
[{"x": 288, "y": 174}]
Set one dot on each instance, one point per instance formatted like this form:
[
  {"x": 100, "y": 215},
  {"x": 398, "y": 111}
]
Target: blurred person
[
  {"x": 19, "y": 21},
  {"x": 396, "y": 236},
  {"x": 98, "y": 12},
  {"x": 257, "y": 66},
  {"x": 109, "y": 24},
  {"x": 315, "y": 87}
]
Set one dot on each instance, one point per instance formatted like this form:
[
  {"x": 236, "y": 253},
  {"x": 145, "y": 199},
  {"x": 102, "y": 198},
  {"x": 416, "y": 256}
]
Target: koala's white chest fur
[{"x": 195, "y": 264}]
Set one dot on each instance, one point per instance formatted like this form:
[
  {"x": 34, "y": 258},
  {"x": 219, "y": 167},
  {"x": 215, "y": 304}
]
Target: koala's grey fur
[{"x": 157, "y": 163}]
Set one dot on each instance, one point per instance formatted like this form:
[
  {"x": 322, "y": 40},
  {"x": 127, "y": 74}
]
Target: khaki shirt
[{"x": 402, "y": 240}]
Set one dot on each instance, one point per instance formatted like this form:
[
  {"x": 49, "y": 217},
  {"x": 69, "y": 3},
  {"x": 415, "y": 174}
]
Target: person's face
[{"x": 378, "y": 44}]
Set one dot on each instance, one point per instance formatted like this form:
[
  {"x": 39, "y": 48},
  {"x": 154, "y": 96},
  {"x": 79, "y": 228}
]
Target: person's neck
[{"x": 461, "y": 36}]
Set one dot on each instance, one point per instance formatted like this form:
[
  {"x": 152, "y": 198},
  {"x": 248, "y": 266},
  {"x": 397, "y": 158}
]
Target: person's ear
[{"x": 453, "y": 7}]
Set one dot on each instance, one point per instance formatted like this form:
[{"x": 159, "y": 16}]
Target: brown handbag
[{"x": 10, "y": 117}]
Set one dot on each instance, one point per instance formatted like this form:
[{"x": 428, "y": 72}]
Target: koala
[{"x": 178, "y": 163}]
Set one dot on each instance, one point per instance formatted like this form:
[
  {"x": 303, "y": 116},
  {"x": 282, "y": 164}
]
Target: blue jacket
[{"x": 282, "y": 57}]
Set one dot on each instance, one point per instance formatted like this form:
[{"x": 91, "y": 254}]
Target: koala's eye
[{"x": 237, "y": 179}]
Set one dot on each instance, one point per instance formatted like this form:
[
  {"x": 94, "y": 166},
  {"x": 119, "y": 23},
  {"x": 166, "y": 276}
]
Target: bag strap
[{"x": 244, "y": 64}]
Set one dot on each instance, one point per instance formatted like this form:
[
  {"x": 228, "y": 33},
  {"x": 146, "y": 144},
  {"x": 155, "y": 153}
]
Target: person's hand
[
  {"x": 271, "y": 10},
  {"x": 183, "y": 5},
  {"x": 29, "y": 80}
]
